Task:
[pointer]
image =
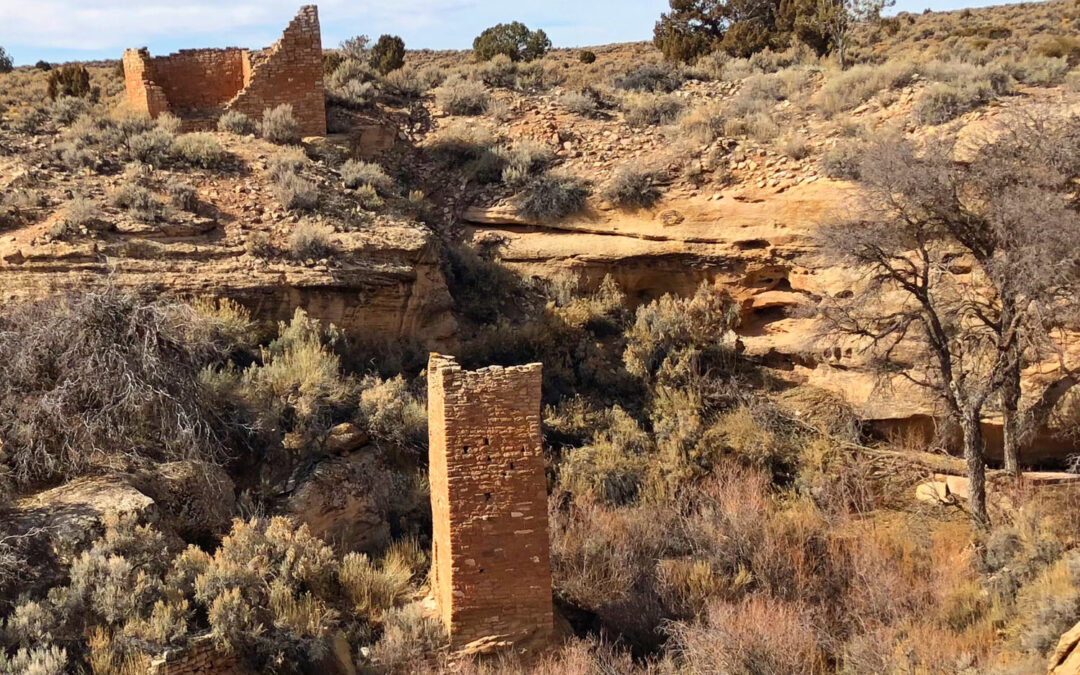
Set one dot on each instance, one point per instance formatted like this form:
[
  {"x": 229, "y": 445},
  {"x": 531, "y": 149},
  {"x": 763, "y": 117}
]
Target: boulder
[
  {"x": 346, "y": 501},
  {"x": 72, "y": 516},
  {"x": 345, "y": 438},
  {"x": 1066, "y": 658},
  {"x": 195, "y": 499}
]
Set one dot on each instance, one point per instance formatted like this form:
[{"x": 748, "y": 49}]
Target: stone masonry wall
[
  {"x": 199, "y": 84},
  {"x": 200, "y": 79},
  {"x": 290, "y": 72},
  {"x": 491, "y": 568},
  {"x": 200, "y": 657}
]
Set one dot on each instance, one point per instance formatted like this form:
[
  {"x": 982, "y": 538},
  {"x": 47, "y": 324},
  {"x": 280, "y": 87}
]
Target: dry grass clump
[
  {"x": 644, "y": 109},
  {"x": 458, "y": 96},
  {"x": 851, "y": 88},
  {"x": 942, "y": 101},
  {"x": 633, "y": 185},
  {"x": 760, "y": 126},
  {"x": 355, "y": 94},
  {"x": 550, "y": 197},
  {"x": 755, "y": 635},
  {"x": 703, "y": 123},
  {"x": 279, "y": 125},
  {"x": 796, "y": 147},
  {"x": 579, "y": 103},
  {"x": 81, "y": 212},
  {"x": 236, "y": 122}
]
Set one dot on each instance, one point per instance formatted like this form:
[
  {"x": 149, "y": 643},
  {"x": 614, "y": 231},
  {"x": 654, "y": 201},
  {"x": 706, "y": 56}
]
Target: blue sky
[{"x": 61, "y": 30}]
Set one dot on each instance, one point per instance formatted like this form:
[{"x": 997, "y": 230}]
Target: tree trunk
[
  {"x": 974, "y": 450},
  {"x": 1010, "y": 405}
]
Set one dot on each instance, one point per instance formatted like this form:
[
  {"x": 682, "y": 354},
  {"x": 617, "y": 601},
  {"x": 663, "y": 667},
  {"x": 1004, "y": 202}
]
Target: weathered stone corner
[
  {"x": 491, "y": 569},
  {"x": 198, "y": 85}
]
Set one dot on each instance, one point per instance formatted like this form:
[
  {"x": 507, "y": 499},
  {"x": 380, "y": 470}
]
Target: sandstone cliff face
[
  {"x": 759, "y": 245},
  {"x": 396, "y": 291},
  {"x": 384, "y": 281}
]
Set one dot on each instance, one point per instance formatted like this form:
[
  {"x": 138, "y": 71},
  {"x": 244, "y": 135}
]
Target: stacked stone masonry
[
  {"x": 198, "y": 85},
  {"x": 201, "y": 657},
  {"x": 491, "y": 568}
]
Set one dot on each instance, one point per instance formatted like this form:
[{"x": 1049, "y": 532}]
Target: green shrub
[
  {"x": 633, "y": 185},
  {"x": 405, "y": 82},
  {"x": 524, "y": 160},
  {"x": 643, "y": 110},
  {"x": 458, "y": 96},
  {"x": 6, "y": 63},
  {"x": 201, "y": 150},
  {"x": 392, "y": 415},
  {"x": 1039, "y": 71},
  {"x": 69, "y": 80},
  {"x": 295, "y": 193},
  {"x": 236, "y": 122},
  {"x": 499, "y": 71},
  {"x": 139, "y": 202},
  {"x": 459, "y": 143},
  {"x": 681, "y": 41},
  {"x": 182, "y": 195},
  {"x": 356, "y": 173},
  {"x": 651, "y": 77},
  {"x": 586, "y": 56},
  {"x": 311, "y": 241},
  {"x": 355, "y": 94},
  {"x": 67, "y": 109},
  {"x": 331, "y": 61},
  {"x": 154, "y": 147},
  {"x": 550, "y": 197},
  {"x": 388, "y": 54},
  {"x": 279, "y": 126},
  {"x": 514, "y": 40},
  {"x": 942, "y": 101},
  {"x": 842, "y": 160}
]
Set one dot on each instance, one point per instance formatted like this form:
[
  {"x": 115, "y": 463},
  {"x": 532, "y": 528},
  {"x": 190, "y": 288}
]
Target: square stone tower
[{"x": 491, "y": 567}]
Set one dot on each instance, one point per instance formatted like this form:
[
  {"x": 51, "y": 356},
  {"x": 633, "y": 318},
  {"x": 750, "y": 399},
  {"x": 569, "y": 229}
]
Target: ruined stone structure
[
  {"x": 201, "y": 657},
  {"x": 491, "y": 568},
  {"x": 197, "y": 85}
]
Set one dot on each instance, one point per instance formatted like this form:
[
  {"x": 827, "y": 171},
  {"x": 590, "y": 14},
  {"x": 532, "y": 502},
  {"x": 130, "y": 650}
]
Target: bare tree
[
  {"x": 965, "y": 264},
  {"x": 839, "y": 19}
]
